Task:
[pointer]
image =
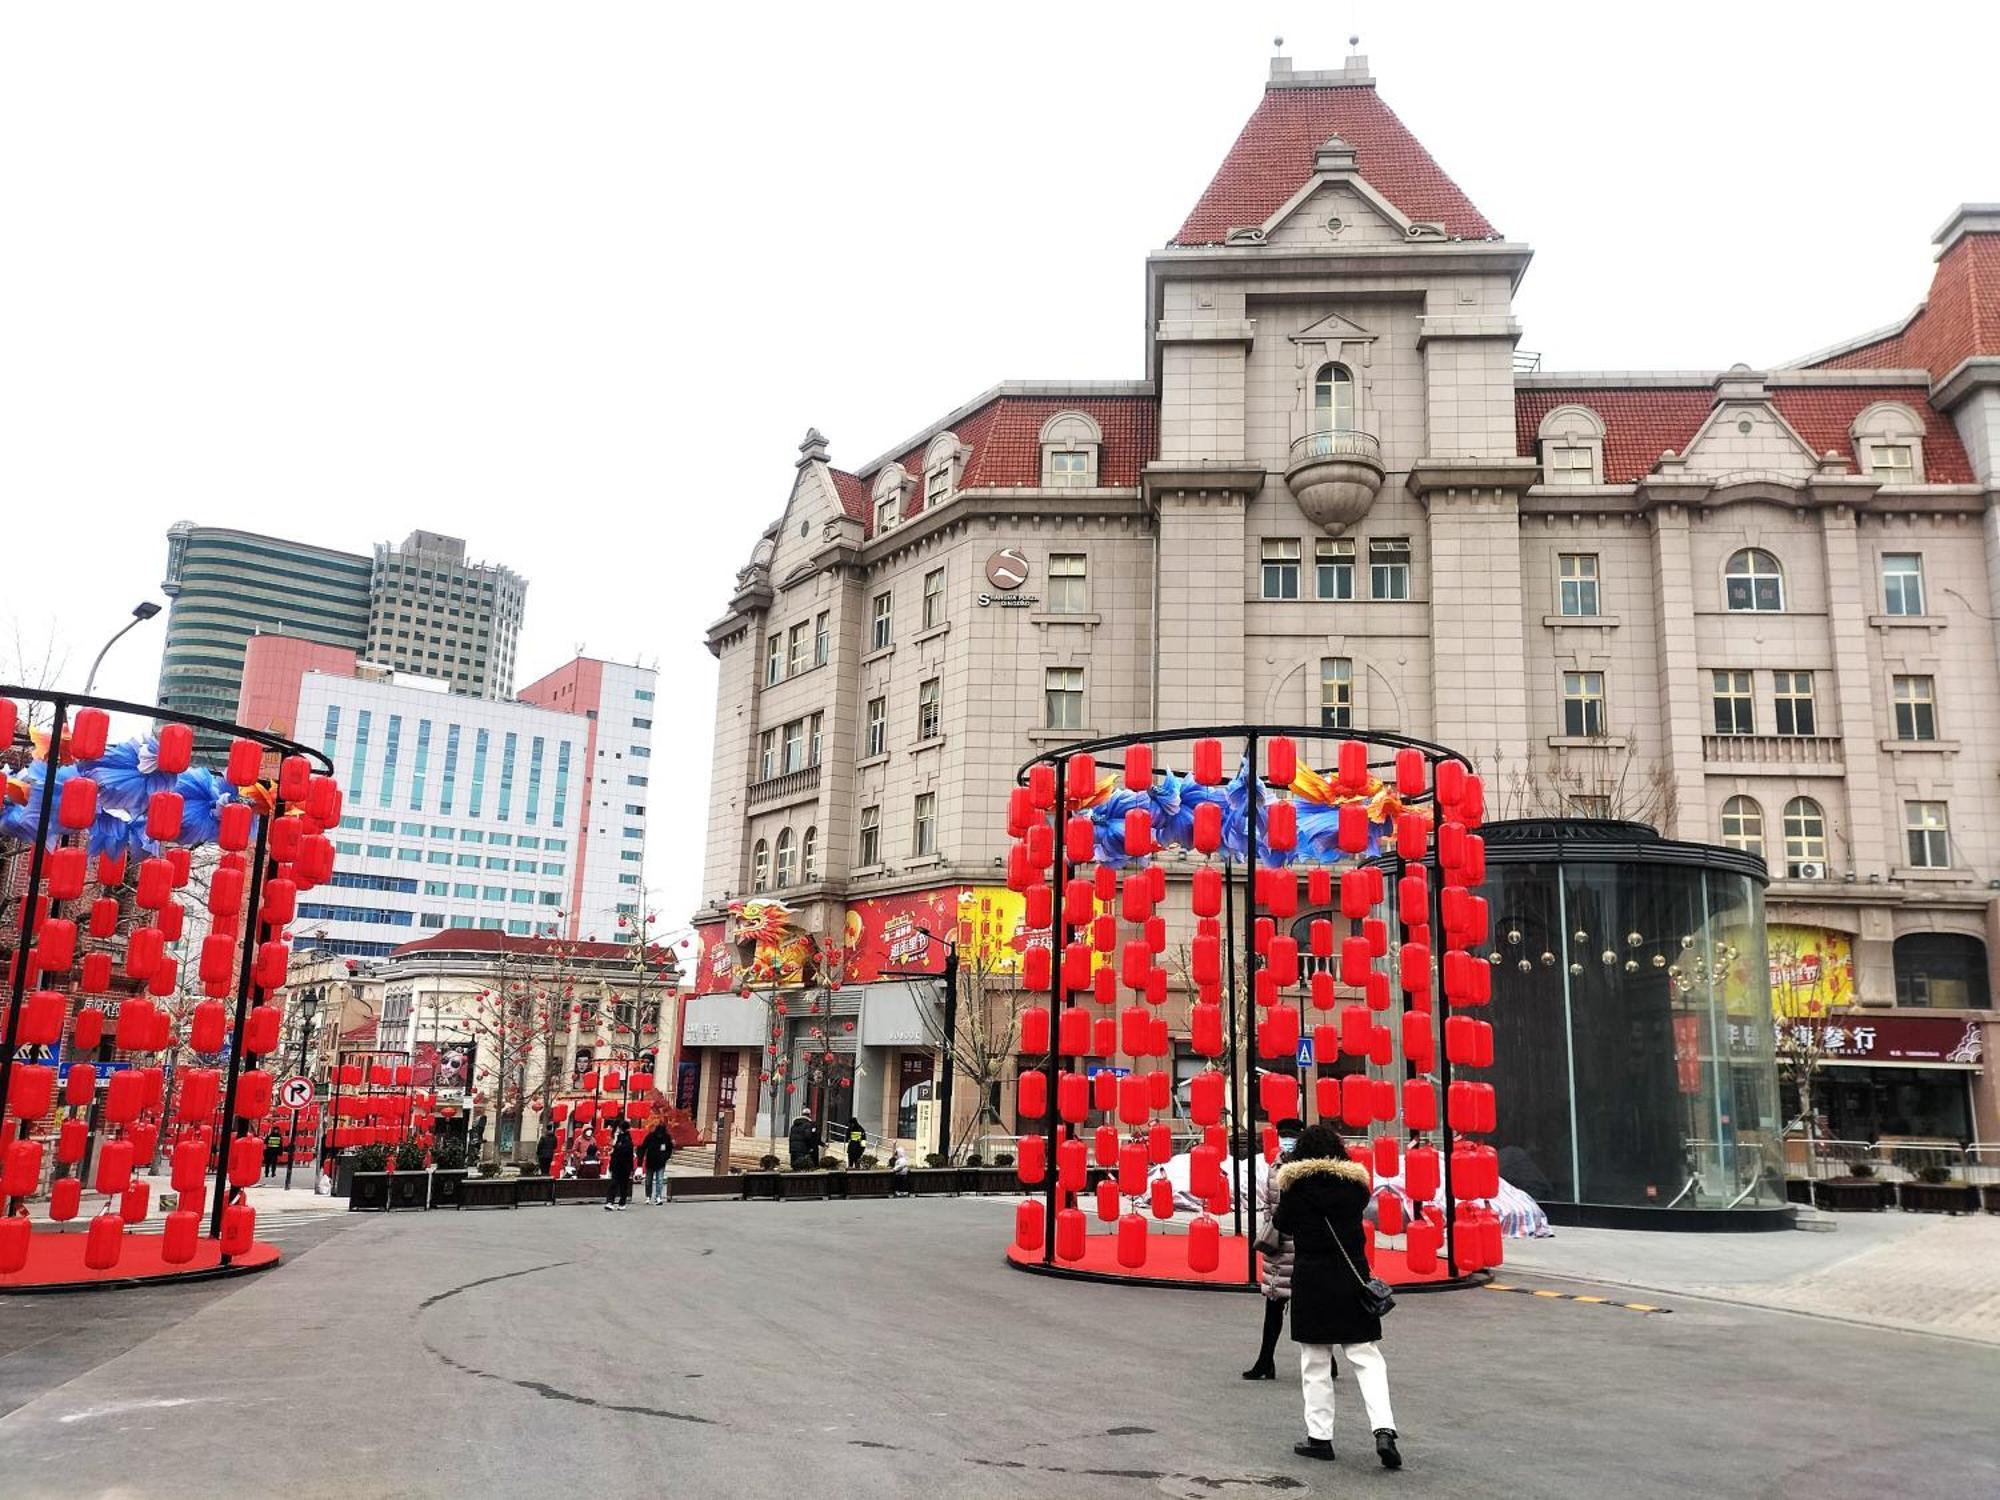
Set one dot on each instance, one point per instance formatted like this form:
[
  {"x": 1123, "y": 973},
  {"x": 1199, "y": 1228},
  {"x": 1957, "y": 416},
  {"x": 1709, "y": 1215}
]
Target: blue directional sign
[{"x": 1305, "y": 1052}]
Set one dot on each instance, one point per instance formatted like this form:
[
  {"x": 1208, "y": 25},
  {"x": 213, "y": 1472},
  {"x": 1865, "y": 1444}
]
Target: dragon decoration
[
  {"x": 1172, "y": 799},
  {"x": 127, "y": 775},
  {"x": 779, "y": 954}
]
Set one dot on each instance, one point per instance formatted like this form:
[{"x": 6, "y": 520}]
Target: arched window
[
  {"x": 809, "y": 857},
  {"x": 1805, "y": 839},
  {"x": 1743, "y": 825},
  {"x": 1754, "y": 581},
  {"x": 1942, "y": 969},
  {"x": 788, "y": 859},
  {"x": 1333, "y": 399},
  {"x": 760, "y": 867}
]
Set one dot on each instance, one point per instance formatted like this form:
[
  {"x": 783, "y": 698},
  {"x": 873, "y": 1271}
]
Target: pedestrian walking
[
  {"x": 1321, "y": 1198},
  {"x": 857, "y": 1143},
  {"x": 545, "y": 1150},
  {"x": 619, "y": 1193},
  {"x": 805, "y": 1141},
  {"x": 899, "y": 1172},
  {"x": 1277, "y": 1252},
  {"x": 657, "y": 1148},
  {"x": 274, "y": 1142}
]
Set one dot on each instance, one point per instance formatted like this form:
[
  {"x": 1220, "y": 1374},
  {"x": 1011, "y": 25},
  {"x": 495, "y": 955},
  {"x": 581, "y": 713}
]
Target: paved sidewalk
[{"x": 1909, "y": 1271}]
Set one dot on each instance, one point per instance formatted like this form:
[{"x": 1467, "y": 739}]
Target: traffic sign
[
  {"x": 1305, "y": 1052},
  {"x": 296, "y": 1092}
]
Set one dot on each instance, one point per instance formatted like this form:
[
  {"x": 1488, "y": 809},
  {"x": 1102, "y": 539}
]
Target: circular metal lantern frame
[
  {"x": 30, "y": 914},
  {"x": 1238, "y": 1056}
]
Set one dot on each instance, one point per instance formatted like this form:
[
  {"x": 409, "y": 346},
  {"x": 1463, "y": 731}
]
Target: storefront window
[{"x": 1942, "y": 970}]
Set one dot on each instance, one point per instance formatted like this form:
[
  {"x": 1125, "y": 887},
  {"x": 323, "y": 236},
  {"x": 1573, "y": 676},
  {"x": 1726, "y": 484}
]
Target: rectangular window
[
  {"x": 433, "y": 919},
  {"x": 1902, "y": 583},
  {"x": 1794, "y": 703},
  {"x": 635, "y": 809},
  {"x": 555, "y": 845},
  {"x": 450, "y": 768},
  {"x": 410, "y": 856},
  {"x": 1062, "y": 694},
  {"x": 795, "y": 650},
  {"x": 343, "y": 847},
  {"x": 933, "y": 598},
  {"x": 639, "y": 723},
  {"x": 524, "y": 867},
  {"x": 436, "y": 888},
  {"x": 928, "y": 708},
  {"x": 469, "y": 860},
  {"x": 551, "y": 869},
  {"x": 631, "y": 856},
  {"x": 535, "y": 747},
  {"x": 479, "y": 745},
  {"x": 501, "y": 838},
  {"x": 1929, "y": 832},
  {"x": 507, "y": 774},
  {"x": 635, "y": 781},
  {"x": 381, "y": 825},
  {"x": 1069, "y": 583},
  {"x": 644, "y": 695},
  {"x": 1570, "y": 465},
  {"x": 1583, "y": 704},
  {"x": 332, "y": 729},
  {"x": 878, "y": 726},
  {"x": 562, "y": 782},
  {"x": 1389, "y": 568},
  {"x": 871, "y": 836},
  {"x": 815, "y": 729},
  {"x": 767, "y": 755},
  {"x": 379, "y": 851},
  {"x": 1069, "y": 470},
  {"x": 440, "y": 856},
  {"x": 1735, "y": 707},
  {"x": 421, "y": 767},
  {"x": 795, "y": 747},
  {"x": 494, "y": 893},
  {"x": 1576, "y": 584},
  {"x": 1333, "y": 567},
  {"x": 496, "y": 861},
  {"x": 641, "y": 752},
  {"x": 1336, "y": 692},
  {"x": 923, "y": 829},
  {"x": 822, "y": 638},
  {"x": 395, "y": 741},
  {"x": 522, "y": 898},
  {"x": 1281, "y": 567},
  {"x": 473, "y": 836},
  {"x": 439, "y": 831},
  {"x": 634, "y": 833},
  {"x": 774, "y": 660},
  {"x": 1892, "y": 463},
  {"x": 1916, "y": 707},
  {"x": 465, "y": 892},
  {"x": 360, "y": 761},
  {"x": 879, "y": 630}
]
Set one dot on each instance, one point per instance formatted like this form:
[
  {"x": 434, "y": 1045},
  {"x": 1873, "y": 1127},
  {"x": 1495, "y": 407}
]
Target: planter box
[
  {"x": 534, "y": 1189},
  {"x": 1938, "y": 1198},
  {"x": 409, "y": 1190},
  {"x": 343, "y": 1176},
  {"x": 368, "y": 1192},
  {"x": 1798, "y": 1190},
  {"x": 580, "y": 1189},
  {"x": 867, "y": 1183},
  {"x": 1851, "y": 1195},
  {"x": 796, "y": 1186},
  {"x": 987, "y": 1179},
  {"x": 447, "y": 1187},
  {"x": 933, "y": 1182},
  {"x": 836, "y": 1181},
  {"x": 487, "y": 1192},
  {"x": 761, "y": 1184},
  {"x": 703, "y": 1187}
]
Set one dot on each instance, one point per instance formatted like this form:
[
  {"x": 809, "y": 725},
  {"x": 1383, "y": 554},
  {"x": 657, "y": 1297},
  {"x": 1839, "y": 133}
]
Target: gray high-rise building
[{"x": 419, "y": 608}]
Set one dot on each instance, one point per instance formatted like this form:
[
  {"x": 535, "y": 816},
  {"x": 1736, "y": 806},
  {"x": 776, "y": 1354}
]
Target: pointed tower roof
[
  {"x": 1959, "y": 320},
  {"x": 1277, "y": 151}
]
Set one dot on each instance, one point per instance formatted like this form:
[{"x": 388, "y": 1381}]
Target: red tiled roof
[
  {"x": 853, "y": 492},
  {"x": 1641, "y": 424},
  {"x": 1273, "y": 158},
  {"x": 1961, "y": 317}
]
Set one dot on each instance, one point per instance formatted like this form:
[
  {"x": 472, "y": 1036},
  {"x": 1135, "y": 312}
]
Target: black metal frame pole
[
  {"x": 253, "y": 927},
  {"x": 29, "y": 920},
  {"x": 292, "y": 1150},
  {"x": 1059, "y": 877},
  {"x": 1253, "y": 792},
  {"x": 951, "y": 1031},
  {"x": 1232, "y": 1052}
]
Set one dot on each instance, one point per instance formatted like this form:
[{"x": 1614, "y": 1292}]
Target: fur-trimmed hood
[{"x": 1298, "y": 1171}]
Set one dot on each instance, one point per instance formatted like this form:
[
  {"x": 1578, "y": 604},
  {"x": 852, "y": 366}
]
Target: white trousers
[{"x": 1371, "y": 1373}]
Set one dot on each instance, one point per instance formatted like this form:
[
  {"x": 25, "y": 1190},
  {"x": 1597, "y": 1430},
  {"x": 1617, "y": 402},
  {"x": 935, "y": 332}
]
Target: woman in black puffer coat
[{"x": 1321, "y": 1198}]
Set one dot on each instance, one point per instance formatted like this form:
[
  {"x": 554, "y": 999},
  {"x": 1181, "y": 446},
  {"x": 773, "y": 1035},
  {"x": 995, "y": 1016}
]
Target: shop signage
[
  {"x": 1865, "y": 1038},
  {"x": 1007, "y": 570}
]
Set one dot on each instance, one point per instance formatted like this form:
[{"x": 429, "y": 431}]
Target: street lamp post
[
  {"x": 144, "y": 610},
  {"x": 308, "y": 1002},
  {"x": 950, "y": 1065}
]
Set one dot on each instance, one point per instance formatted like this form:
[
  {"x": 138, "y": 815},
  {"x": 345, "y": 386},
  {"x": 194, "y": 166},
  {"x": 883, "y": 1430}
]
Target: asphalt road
[{"x": 883, "y": 1349}]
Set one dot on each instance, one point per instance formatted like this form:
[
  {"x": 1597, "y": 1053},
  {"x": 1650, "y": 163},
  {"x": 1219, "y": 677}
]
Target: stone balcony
[
  {"x": 1775, "y": 754},
  {"x": 1335, "y": 476},
  {"x": 792, "y": 786}
]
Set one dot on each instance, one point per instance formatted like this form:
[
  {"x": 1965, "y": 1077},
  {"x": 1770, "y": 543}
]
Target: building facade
[
  {"x": 460, "y": 812},
  {"x": 419, "y": 609},
  {"x": 1751, "y": 607}
]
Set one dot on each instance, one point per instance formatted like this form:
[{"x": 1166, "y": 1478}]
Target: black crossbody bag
[{"x": 1378, "y": 1298}]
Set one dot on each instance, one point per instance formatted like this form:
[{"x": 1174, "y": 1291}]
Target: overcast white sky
[{"x": 571, "y": 281}]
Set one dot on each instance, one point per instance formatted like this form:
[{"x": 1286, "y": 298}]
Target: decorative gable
[{"x": 1742, "y": 436}]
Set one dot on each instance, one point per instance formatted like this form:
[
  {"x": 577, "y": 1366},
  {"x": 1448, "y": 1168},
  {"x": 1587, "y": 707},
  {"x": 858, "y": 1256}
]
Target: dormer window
[
  {"x": 1071, "y": 442},
  {"x": 941, "y": 463},
  {"x": 1889, "y": 443},
  {"x": 892, "y": 489},
  {"x": 1333, "y": 399},
  {"x": 1572, "y": 445}
]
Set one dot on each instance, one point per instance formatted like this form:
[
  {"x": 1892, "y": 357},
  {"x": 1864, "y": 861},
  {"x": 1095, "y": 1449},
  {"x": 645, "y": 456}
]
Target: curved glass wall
[{"x": 1632, "y": 1019}]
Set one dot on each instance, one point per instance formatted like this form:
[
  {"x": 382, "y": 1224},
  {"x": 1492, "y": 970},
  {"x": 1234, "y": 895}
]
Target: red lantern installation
[
  {"x": 1389, "y": 1214},
  {"x": 1131, "y": 1242},
  {"x": 1420, "y": 1247},
  {"x": 88, "y": 732},
  {"x": 253, "y": 1094},
  {"x": 70, "y": 1141},
  {"x": 177, "y": 1242},
  {"x": 1072, "y": 1097},
  {"x": 246, "y": 760},
  {"x": 239, "y": 1228},
  {"x": 114, "y": 1166},
  {"x": 1072, "y": 1165},
  {"x": 1420, "y": 1173},
  {"x": 1070, "y": 1229},
  {"x": 260, "y": 1030},
  {"x": 41, "y": 1019},
  {"x": 1108, "y": 1203},
  {"x": 29, "y": 1091},
  {"x": 65, "y": 1199},
  {"x": 134, "y": 1202},
  {"x": 1205, "y": 1096},
  {"x": 105, "y": 1242},
  {"x": 1163, "y": 1198},
  {"x": 80, "y": 1085},
  {"x": 1204, "y": 1248},
  {"x": 20, "y": 1169}
]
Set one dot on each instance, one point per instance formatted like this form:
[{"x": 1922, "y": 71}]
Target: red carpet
[
  {"x": 55, "y": 1263},
  {"x": 1166, "y": 1262}
]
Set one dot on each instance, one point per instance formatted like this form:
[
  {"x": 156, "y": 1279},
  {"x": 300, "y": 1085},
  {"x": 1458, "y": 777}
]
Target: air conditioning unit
[{"x": 1809, "y": 870}]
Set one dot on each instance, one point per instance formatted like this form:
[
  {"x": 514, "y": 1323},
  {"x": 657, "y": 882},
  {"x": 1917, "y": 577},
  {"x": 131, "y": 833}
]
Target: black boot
[
  {"x": 1314, "y": 1447},
  {"x": 1385, "y": 1448},
  {"x": 1262, "y": 1370}
]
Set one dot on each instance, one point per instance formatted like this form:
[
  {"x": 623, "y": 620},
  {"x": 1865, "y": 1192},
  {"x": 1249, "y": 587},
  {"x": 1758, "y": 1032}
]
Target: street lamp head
[{"x": 145, "y": 609}]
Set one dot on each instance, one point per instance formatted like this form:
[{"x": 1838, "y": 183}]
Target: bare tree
[
  {"x": 1803, "y": 1005},
  {"x": 1598, "y": 780},
  {"x": 981, "y": 1044}
]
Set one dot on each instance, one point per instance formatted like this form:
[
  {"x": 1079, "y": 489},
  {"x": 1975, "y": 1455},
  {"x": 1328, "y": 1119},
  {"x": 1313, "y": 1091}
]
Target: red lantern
[
  {"x": 163, "y": 816},
  {"x": 29, "y": 1091},
  {"x": 246, "y": 760},
  {"x": 239, "y": 1228},
  {"x": 10, "y": 720},
  {"x": 124, "y": 1096},
  {"x": 1357, "y": 1100},
  {"x": 1205, "y": 1096},
  {"x": 66, "y": 870},
  {"x": 1278, "y": 1093},
  {"x": 41, "y": 1019},
  {"x": 1135, "y": 1099},
  {"x": 88, "y": 732},
  {"x": 1073, "y": 1032},
  {"x": 253, "y": 1094},
  {"x": 1204, "y": 1171},
  {"x": 114, "y": 1167},
  {"x": 105, "y": 1242},
  {"x": 1072, "y": 1165},
  {"x": 1204, "y": 1247},
  {"x": 1281, "y": 760},
  {"x": 233, "y": 826},
  {"x": 65, "y": 1199},
  {"x": 1131, "y": 1242},
  {"x": 1104, "y": 1090},
  {"x": 1281, "y": 826},
  {"x": 1386, "y": 1153},
  {"x": 1035, "y": 963},
  {"x": 79, "y": 1085},
  {"x": 269, "y": 971},
  {"x": 1072, "y": 1097},
  {"x": 1278, "y": 1032},
  {"x": 20, "y": 1169},
  {"x": 1326, "y": 1098},
  {"x": 1104, "y": 1043},
  {"x": 1082, "y": 781},
  {"x": 1208, "y": 762},
  {"x": 1160, "y": 1089},
  {"x": 1205, "y": 1029},
  {"x": 1020, "y": 811},
  {"x": 1032, "y": 1095},
  {"x": 1163, "y": 1198},
  {"x": 280, "y": 902},
  {"x": 1420, "y": 1173},
  {"x": 1070, "y": 1230},
  {"x": 177, "y": 1241},
  {"x": 1031, "y": 1162},
  {"x": 1035, "y": 1030},
  {"x": 1132, "y": 1169},
  {"x": 134, "y": 1202},
  {"x": 1108, "y": 1204},
  {"x": 1353, "y": 827},
  {"x": 189, "y": 1165},
  {"x": 55, "y": 944},
  {"x": 260, "y": 1030}
]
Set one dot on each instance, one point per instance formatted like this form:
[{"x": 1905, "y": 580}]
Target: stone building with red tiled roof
[{"x": 1755, "y": 606}]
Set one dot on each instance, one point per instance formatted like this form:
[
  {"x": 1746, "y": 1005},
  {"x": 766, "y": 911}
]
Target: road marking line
[{"x": 1546, "y": 1295}]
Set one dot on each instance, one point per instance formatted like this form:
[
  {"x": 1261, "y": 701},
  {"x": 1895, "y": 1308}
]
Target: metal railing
[
  {"x": 1890, "y": 1161},
  {"x": 1338, "y": 442}
]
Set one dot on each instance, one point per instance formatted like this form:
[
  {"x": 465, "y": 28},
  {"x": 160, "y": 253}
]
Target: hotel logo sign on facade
[{"x": 1007, "y": 570}]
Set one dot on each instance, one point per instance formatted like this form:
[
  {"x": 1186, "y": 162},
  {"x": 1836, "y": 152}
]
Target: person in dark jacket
[
  {"x": 805, "y": 1142},
  {"x": 1321, "y": 1197},
  {"x": 653, "y": 1152},
  {"x": 857, "y": 1143},
  {"x": 1277, "y": 1252},
  {"x": 545, "y": 1150},
  {"x": 619, "y": 1193}
]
